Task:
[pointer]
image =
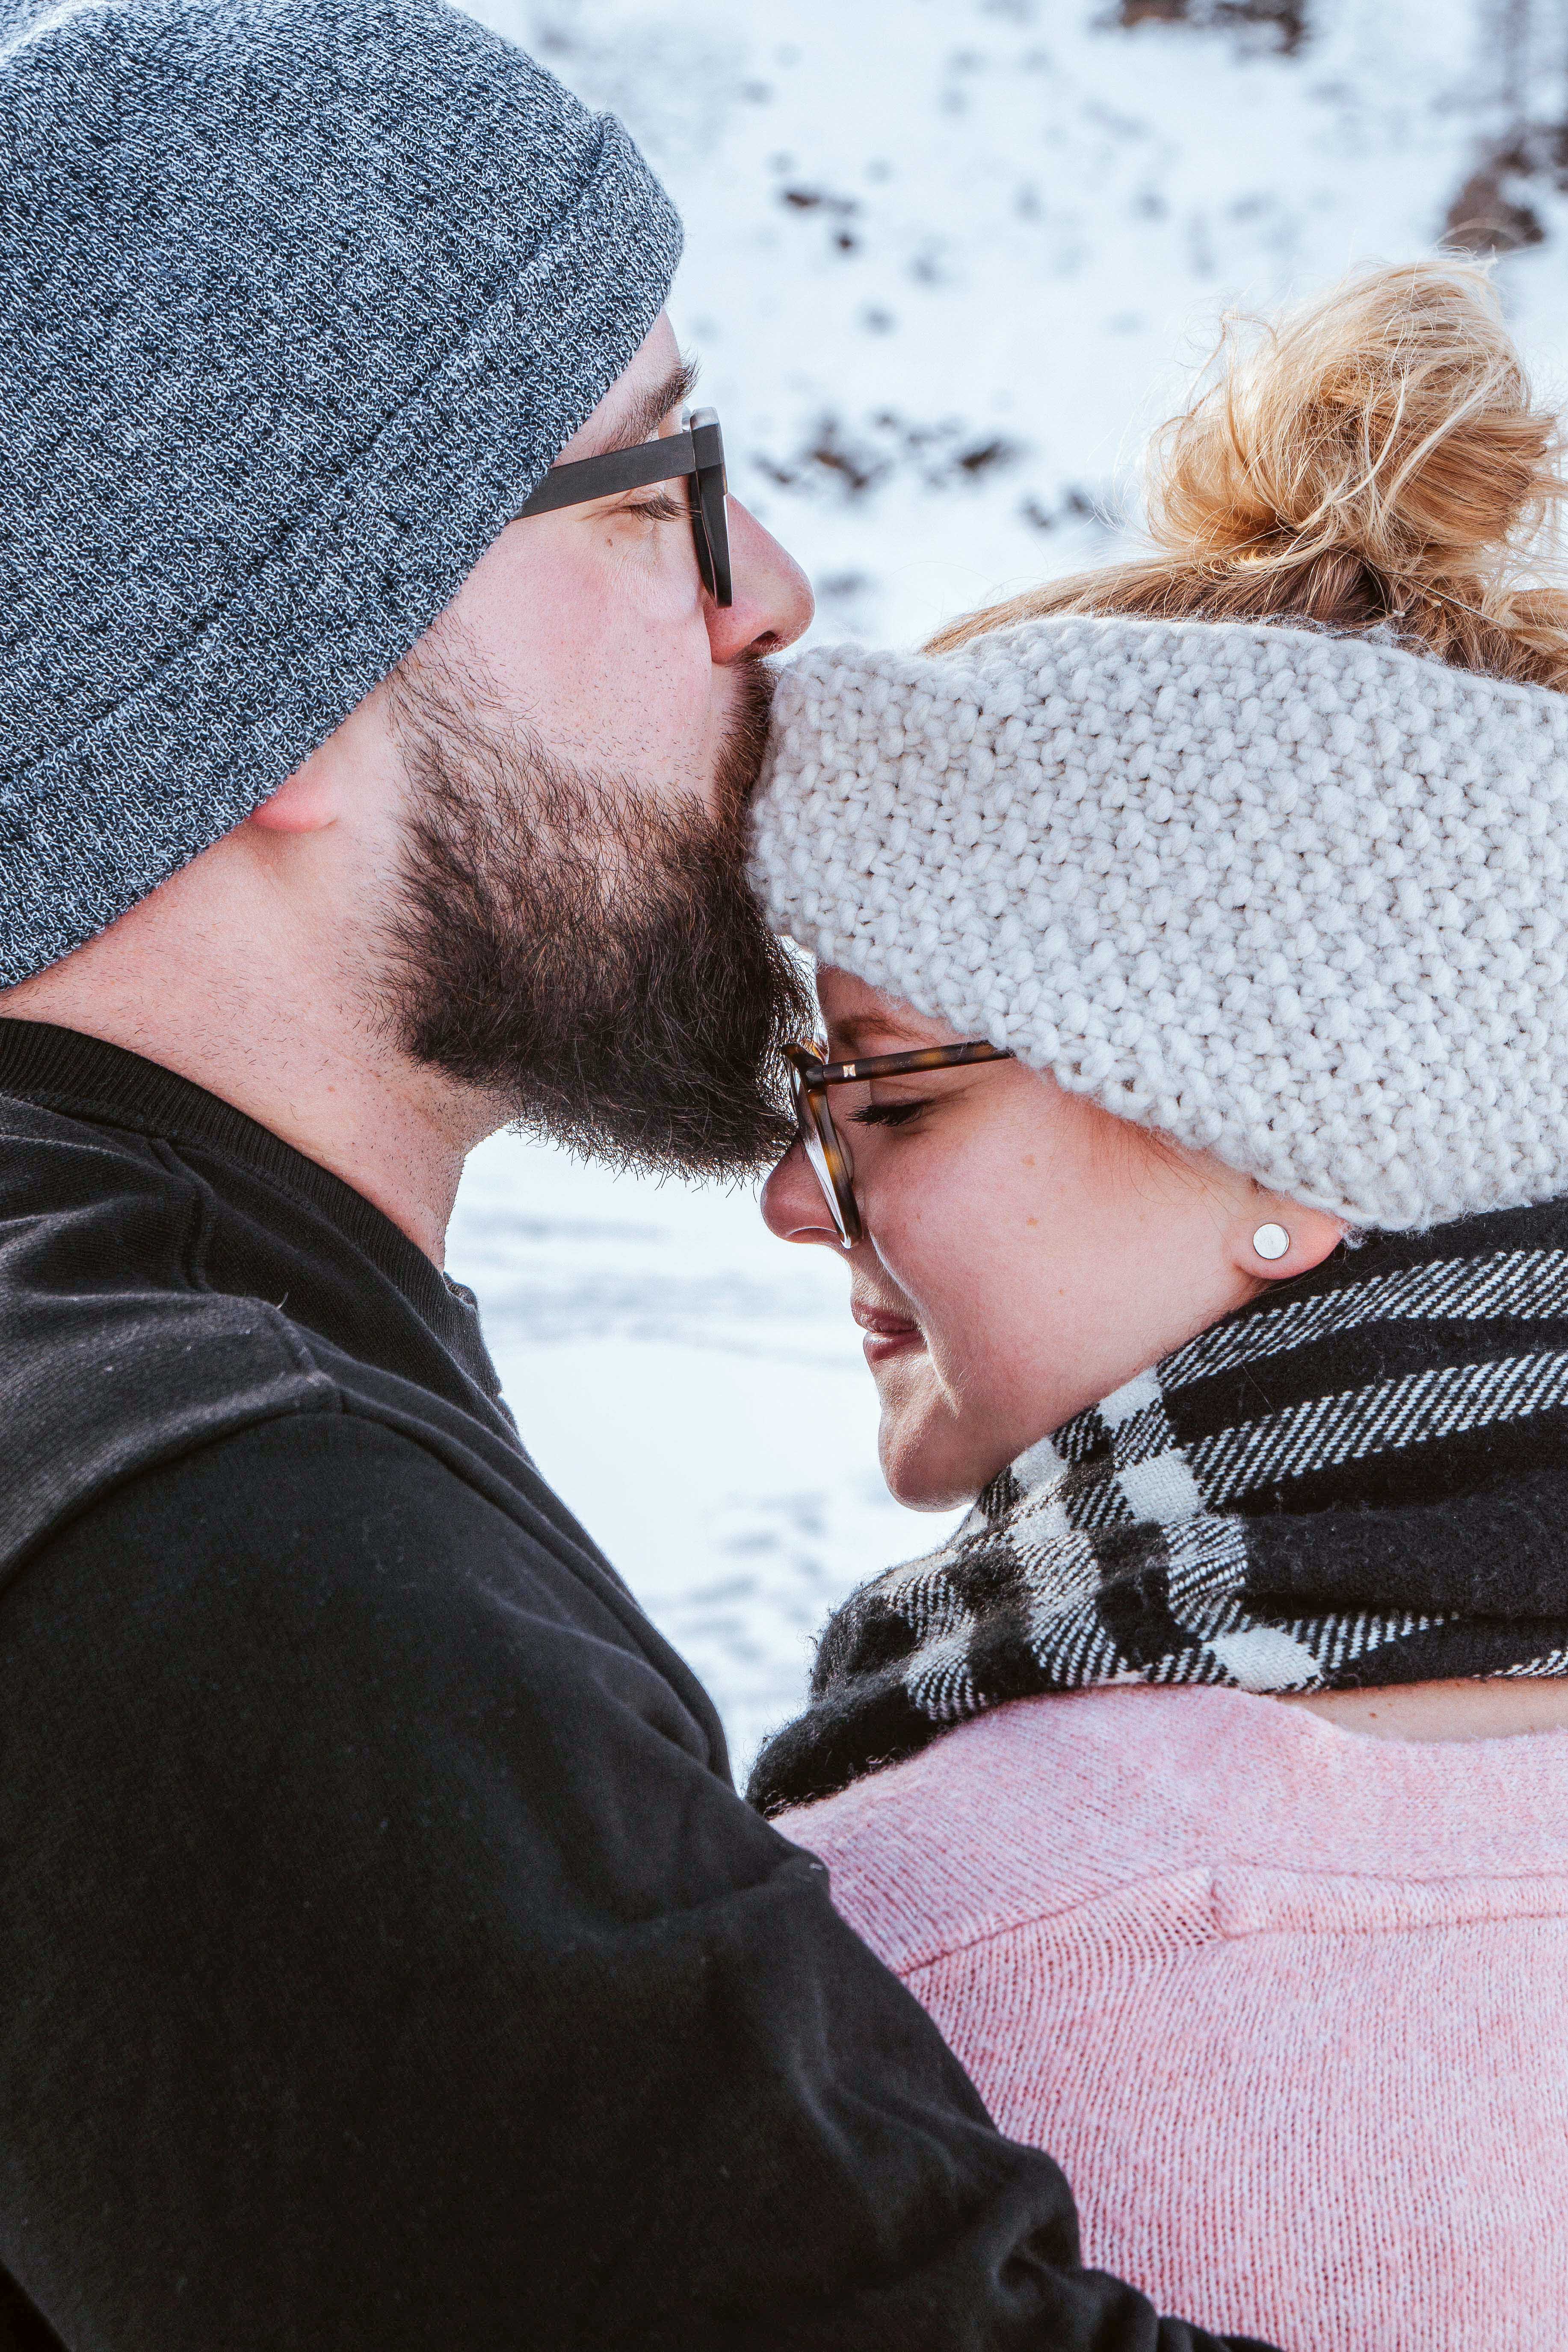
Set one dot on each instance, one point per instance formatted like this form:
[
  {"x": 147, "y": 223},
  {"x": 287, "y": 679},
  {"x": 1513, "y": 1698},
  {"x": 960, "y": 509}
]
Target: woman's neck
[{"x": 1498, "y": 1709}]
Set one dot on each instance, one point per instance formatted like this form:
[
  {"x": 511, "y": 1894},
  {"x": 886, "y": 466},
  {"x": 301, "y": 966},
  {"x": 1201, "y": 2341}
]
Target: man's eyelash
[
  {"x": 658, "y": 508},
  {"x": 888, "y": 1114}
]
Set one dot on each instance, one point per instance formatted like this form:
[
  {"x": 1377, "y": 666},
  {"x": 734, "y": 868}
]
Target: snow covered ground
[{"x": 946, "y": 261}]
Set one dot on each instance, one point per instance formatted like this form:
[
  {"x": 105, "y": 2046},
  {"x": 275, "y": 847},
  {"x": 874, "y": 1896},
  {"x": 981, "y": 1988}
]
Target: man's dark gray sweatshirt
[{"x": 387, "y": 1960}]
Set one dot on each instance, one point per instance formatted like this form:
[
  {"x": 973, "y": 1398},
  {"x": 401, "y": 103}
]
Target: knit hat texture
[
  {"x": 300, "y": 298},
  {"x": 1294, "y": 898}
]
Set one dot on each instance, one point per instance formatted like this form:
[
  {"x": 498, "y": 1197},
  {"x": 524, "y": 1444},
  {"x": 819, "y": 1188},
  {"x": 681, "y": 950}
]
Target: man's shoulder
[
  {"x": 96, "y": 1220},
  {"x": 327, "y": 1505},
  {"x": 116, "y": 1355},
  {"x": 293, "y": 1558},
  {"x": 142, "y": 1404}
]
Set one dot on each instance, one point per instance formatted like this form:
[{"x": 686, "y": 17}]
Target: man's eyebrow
[{"x": 648, "y": 410}]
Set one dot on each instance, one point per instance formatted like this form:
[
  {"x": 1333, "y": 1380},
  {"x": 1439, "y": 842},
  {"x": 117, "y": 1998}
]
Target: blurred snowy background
[{"x": 946, "y": 262}]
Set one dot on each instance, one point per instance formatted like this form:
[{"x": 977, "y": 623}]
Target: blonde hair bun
[{"x": 1374, "y": 457}]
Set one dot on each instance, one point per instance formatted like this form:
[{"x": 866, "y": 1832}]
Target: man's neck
[{"x": 280, "y": 1044}]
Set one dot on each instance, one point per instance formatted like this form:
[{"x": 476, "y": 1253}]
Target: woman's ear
[{"x": 1279, "y": 1239}]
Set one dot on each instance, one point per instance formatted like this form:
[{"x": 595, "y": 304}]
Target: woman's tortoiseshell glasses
[{"x": 809, "y": 1079}]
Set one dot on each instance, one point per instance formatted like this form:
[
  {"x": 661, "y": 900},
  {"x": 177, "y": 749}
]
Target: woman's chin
[{"x": 924, "y": 1459}]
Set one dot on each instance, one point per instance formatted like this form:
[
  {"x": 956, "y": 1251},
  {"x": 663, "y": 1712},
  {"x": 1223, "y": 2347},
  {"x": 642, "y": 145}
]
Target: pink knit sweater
[{"x": 1289, "y": 2004}]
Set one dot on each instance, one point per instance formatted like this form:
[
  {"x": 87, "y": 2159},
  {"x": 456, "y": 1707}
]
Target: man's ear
[
  {"x": 308, "y": 802},
  {"x": 1279, "y": 1239}
]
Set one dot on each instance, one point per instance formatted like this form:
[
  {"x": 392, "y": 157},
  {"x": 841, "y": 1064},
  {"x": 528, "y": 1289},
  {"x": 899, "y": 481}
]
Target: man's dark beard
[{"x": 588, "y": 954}]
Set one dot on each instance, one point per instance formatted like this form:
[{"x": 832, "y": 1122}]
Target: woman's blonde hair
[{"x": 1373, "y": 458}]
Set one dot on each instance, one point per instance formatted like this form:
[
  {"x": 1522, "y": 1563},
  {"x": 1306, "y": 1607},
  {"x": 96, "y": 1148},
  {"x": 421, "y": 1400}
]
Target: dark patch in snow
[
  {"x": 1485, "y": 216},
  {"x": 834, "y": 587},
  {"x": 811, "y": 200},
  {"x": 841, "y": 209},
  {"x": 928, "y": 268},
  {"x": 828, "y": 456},
  {"x": 1282, "y": 22},
  {"x": 852, "y": 461},
  {"x": 989, "y": 453},
  {"x": 1076, "y": 504}
]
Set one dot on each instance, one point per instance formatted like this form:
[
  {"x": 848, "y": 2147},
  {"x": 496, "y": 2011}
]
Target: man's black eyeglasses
[{"x": 697, "y": 452}]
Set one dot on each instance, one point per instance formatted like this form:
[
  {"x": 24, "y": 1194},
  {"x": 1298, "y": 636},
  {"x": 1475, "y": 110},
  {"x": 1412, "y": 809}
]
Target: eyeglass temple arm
[
  {"x": 618, "y": 469},
  {"x": 898, "y": 1065}
]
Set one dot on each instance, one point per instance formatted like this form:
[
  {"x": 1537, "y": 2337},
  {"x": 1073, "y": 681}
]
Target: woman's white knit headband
[{"x": 1295, "y": 898}]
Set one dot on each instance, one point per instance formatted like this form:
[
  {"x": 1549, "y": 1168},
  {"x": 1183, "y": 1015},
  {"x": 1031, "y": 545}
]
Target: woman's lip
[
  {"x": 878, "y": 1349},
  {"x": 885, "y": 1335}
]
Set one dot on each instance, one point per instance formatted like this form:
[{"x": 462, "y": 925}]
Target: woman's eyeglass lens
[
  {"x": 810, "y": 1077},
  {"x": 697, "y": 452}
]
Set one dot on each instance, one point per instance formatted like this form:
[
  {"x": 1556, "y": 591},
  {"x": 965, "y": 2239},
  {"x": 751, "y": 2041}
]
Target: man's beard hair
[{"x": 588, "y": 953}]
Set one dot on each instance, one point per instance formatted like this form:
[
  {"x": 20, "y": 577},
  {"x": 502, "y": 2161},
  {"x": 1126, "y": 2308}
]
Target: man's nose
[
  {"x": 793, "y": 1205},
  {"x": 773, "y": 603}
]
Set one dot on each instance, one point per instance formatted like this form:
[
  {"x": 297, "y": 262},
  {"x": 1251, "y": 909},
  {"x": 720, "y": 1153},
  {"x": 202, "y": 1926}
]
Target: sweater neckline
[{"x": 86, "y": 1077}]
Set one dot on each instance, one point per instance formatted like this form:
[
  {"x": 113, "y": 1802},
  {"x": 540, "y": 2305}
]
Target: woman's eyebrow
[{"x": 872, "y": 1034}]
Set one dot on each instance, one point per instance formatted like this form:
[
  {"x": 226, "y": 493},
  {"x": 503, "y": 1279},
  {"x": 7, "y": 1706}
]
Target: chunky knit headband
[{"x": 1295, "y": 898}]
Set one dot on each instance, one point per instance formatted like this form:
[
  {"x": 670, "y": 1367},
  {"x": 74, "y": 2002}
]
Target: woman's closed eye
[{"x": 890, "y": 1114}]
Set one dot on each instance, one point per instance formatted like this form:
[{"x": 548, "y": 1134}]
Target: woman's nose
[{"x": 793, "y": 1205}]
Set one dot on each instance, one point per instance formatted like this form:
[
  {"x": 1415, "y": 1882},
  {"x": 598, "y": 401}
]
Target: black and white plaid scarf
[{"x": 1359, "y": 1478}]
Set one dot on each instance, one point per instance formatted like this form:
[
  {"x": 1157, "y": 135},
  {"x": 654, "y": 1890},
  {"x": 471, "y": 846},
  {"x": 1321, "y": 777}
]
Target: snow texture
[{"x": 947, "y": 261}]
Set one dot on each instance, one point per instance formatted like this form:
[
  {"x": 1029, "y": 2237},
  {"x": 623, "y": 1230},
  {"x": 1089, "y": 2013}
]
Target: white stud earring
[{"x": 1271, "y": 1241}]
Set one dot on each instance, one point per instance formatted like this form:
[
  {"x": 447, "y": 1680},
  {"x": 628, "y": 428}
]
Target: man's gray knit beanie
[
  {"x": 300, "y": 298},
  {"x": 1295, "y": 898}
]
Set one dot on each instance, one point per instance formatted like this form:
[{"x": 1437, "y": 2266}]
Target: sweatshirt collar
[{"x": 84, "y": 1077}]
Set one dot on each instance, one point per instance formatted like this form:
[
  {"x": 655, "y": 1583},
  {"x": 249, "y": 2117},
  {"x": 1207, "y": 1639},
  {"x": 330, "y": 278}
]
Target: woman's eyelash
[{"x": 886, "y": 1114}]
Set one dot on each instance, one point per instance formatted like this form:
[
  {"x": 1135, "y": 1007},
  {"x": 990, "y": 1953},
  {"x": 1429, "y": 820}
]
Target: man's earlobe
[{"x": 306, "y": 802}]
